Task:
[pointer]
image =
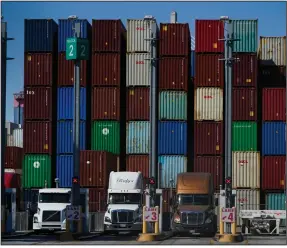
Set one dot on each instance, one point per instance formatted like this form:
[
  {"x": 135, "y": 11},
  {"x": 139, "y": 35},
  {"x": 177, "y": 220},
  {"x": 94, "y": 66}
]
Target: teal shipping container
[
  {"x": 247, "y": 33},
  {"x": 276, "y": 201},
  {"x": 173, "y": 105}
]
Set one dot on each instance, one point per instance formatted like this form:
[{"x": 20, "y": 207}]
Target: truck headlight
[
  {"x": 139, "y": 218},
  {"x": 176, "y": 219},
  {"x": 35, "y": 219},
  {"x": 208, "y": 220},
  {"x": 107, "y": 219}
]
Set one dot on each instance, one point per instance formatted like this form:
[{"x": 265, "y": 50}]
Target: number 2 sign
[
  {"x": 228, "y": 215},
  {"x": 77, "y": 49}
]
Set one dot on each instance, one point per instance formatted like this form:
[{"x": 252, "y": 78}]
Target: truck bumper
[
  {"x": 49, "y": 226},
  {"x": 123, "y": 227},
  {"x": 194, "y": 230}
]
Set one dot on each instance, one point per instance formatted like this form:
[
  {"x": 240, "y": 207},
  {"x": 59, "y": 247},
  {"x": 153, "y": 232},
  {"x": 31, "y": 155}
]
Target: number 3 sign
[
  {"x": 150, "y": 214},
  {"x": 228, "y": 215}
]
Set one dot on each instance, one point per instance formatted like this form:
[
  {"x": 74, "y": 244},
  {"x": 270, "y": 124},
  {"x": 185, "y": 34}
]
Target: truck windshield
[
  {"x": 193, "y": 199},
  {"x": 125, "y": 199},
  {"x": 54, "y": 198}
]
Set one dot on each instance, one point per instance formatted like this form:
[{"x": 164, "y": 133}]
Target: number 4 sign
[
  {"x": 228, "y": 215},
  {"x": 150, "y": 214},
  {"x": 77, "y": 49}
]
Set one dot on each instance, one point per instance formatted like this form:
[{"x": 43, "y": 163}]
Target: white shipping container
[
  {"x": 208, "y": 104},
  {"x": 138, "y": 69},
  {"x": 272, "y": 51},
  {"x": 18, "y": 137},
  {"x": 10, "y": 140},
  {"x": 10, "y": 126},
  {"x": 138, "y": 33},
  {"x": 246, "y": 170}
]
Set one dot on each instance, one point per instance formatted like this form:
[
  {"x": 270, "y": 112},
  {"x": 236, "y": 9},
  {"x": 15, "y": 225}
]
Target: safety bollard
[
  {"x": 233, "y": 228},
  {"x": 67, "y": 225},
  {"x": 221, "y": 224},
  {"x": 144, "y": 222},
  {"x": 156, "y": 226}
]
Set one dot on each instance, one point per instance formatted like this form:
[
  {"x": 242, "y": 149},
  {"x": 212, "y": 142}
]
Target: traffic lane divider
[{"x": 157, "y": 237}]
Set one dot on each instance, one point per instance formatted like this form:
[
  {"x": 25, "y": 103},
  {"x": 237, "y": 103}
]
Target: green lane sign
[{"x": 77, "y": 49}]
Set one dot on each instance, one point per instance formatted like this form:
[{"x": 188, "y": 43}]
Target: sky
[{"x": 271, "y": 22}]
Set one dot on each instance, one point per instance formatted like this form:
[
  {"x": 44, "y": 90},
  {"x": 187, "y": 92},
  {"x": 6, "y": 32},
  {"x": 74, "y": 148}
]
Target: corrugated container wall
[
  {"x": 208, "y": 104},
  {"x": 272, "y": 76},
  {"x": 244, "y": 135},
  {"x": 18, "y": 137},
  {"x": 97, "y": 200},
  {"x": 106, "y": 103},
  {"x": 247, "y": 32},
  {"x": 95, "y": 168},
  {"x": 108, "y": 36},
  {"x": 273, "y": 138},
  {"x": 106, "y": 136},
  {"x": 10, "y": 140},
  {"x": 273, "y": 104},
  {"x": 173, "y": 73},
  {"x": 67, "y": 30},
  {"x": 138, "y": 137},
  {"x": 12, "y": 180},
  {"x": 138, "y": 33},
  {"x": 272, "y": 51},
  {"x": 246, "y": 170},
  {"x": 40, "y": 35},
  {"x": 208, "y": 138},
  {"x": 37, "y": 171},
  {"x": 207, "y": 35},
  {"x": 13, "y": 157},
  {"x": 273, "y": 173},
  {"x": 38, "y": 68},
  {"x": 65, "y": 136},
  {"x": 106, "y": 69},
  {"x": 38, "y": 103},
  {"x": 64, "y": 171},
  {"x": 174, "y": 39},
  {"x": 244, "y": 104},
  {"x": 138, "y": 69},
  {"x": 276, "y": 201},
  {"x": 172, "y": 138},
  {"x": 193, "y": 67},
  {"x": 138, "y": 104},
  {"x": 209, "y": 70},
  {"x": 213, "y": 165},
  {"x": 137, "y": 163},
  {"x": 66, "y": 72},
  {"x": 173, "y": 105},
  {"x": 169, "y": 167},
  {"x": 38, "y": 137},
  {"x": 66, "y": 103},
  {"x": 245, "y": 70}
]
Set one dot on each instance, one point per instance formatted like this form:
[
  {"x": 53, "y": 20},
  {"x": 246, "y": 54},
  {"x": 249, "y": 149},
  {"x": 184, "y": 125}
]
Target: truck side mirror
[{"x": 216, "y": 202}]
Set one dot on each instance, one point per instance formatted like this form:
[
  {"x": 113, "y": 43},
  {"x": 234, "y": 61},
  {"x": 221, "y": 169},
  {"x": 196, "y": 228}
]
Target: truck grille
[
  {"x": 122, "y": 216},
  {"x": 192, "y": 218},
  {"x": 49, "y": 216}
]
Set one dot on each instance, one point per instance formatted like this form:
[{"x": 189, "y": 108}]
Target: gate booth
[{"x": 10, "y": 210}]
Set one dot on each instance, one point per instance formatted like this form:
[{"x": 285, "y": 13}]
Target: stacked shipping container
[
  {"x": 65, "y": 101},
  {"x": 208, "y": 99}
]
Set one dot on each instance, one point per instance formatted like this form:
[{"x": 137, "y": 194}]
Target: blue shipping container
[
  {"x": 65, "y": 170},
  {"x": 273, "y": 138},
  {"x": 66, "y": 103},
  {"x": 172, "y": 138},
  {"x": 169, "y": 167},
  {"x": 276, "y": 201},
  {"x": 192, "y": 63},
  {"x": 40, "y": 35},
  {"x": 66, "y": 30},
  {"x": 29, "y": 200},
  {"x": 65, "y": 137}
]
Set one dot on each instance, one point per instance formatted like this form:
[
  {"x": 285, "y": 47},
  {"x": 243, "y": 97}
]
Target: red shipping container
[
  {"x": 38, "y": 103},
  {"x": 273, "y": 173},
  {"x": 106, "y": 69},
  {"x": 208, "y": 138},
  {"x": 173, "y": 73},
  {"x": 209, "y": 70},
  {"x": 106, "y": 103},
  {"x": 98, "y": 199},
  {"x": 95, "y": 168},
  {"x": 273, "y": 104},
  {"x": 13, "y": 157},
  {"x": 66, "y": 71},
  {"x": 38, "y": 69},
  {"x": 138, "y": 105},
  {"x": 174, "y": 39},
  {"x": 207, "y": 35},
  {"x": 244, "y": 104},
  {"x": 108, "y": 36},
  {"x": 38, "y": 137},
  {"x": 137, "y": 163},
  {"x": 12, "y": 180},
  {"x": 272, "y": 76},
  {"x": 245, "y": 70},
  {"x": 213, "y": 165}
]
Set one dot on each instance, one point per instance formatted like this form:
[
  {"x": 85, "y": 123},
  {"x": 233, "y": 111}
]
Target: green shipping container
[
  {"x": 106, "y": 136},
  {"x": 247, "y": 33},
  {"x": 276, "y": 201},
  {"x": 244, "y": 136},
  {"x": 173, "y": 105},
  {"x": 37, "y": 170}
]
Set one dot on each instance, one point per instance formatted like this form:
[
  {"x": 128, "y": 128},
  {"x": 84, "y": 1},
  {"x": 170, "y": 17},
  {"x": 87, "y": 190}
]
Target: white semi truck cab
[{"x": 125, "y": 202}]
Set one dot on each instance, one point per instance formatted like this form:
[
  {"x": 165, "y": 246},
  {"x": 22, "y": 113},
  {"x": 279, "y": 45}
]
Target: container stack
[
  {"x": 208, "y": 99},
  {"x": 65, "y": 101},
  {"x": 138, "y": 95},
  {"x": 174, "y": 78},
  {"x": 272, "y": 54},
  {"x": 40, "y": 74}
]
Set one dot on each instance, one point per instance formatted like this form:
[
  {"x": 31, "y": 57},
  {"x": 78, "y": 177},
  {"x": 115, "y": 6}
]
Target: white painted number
[
  {"x": 71, "y": 50},
  {"x": 83, "y": 49}
]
